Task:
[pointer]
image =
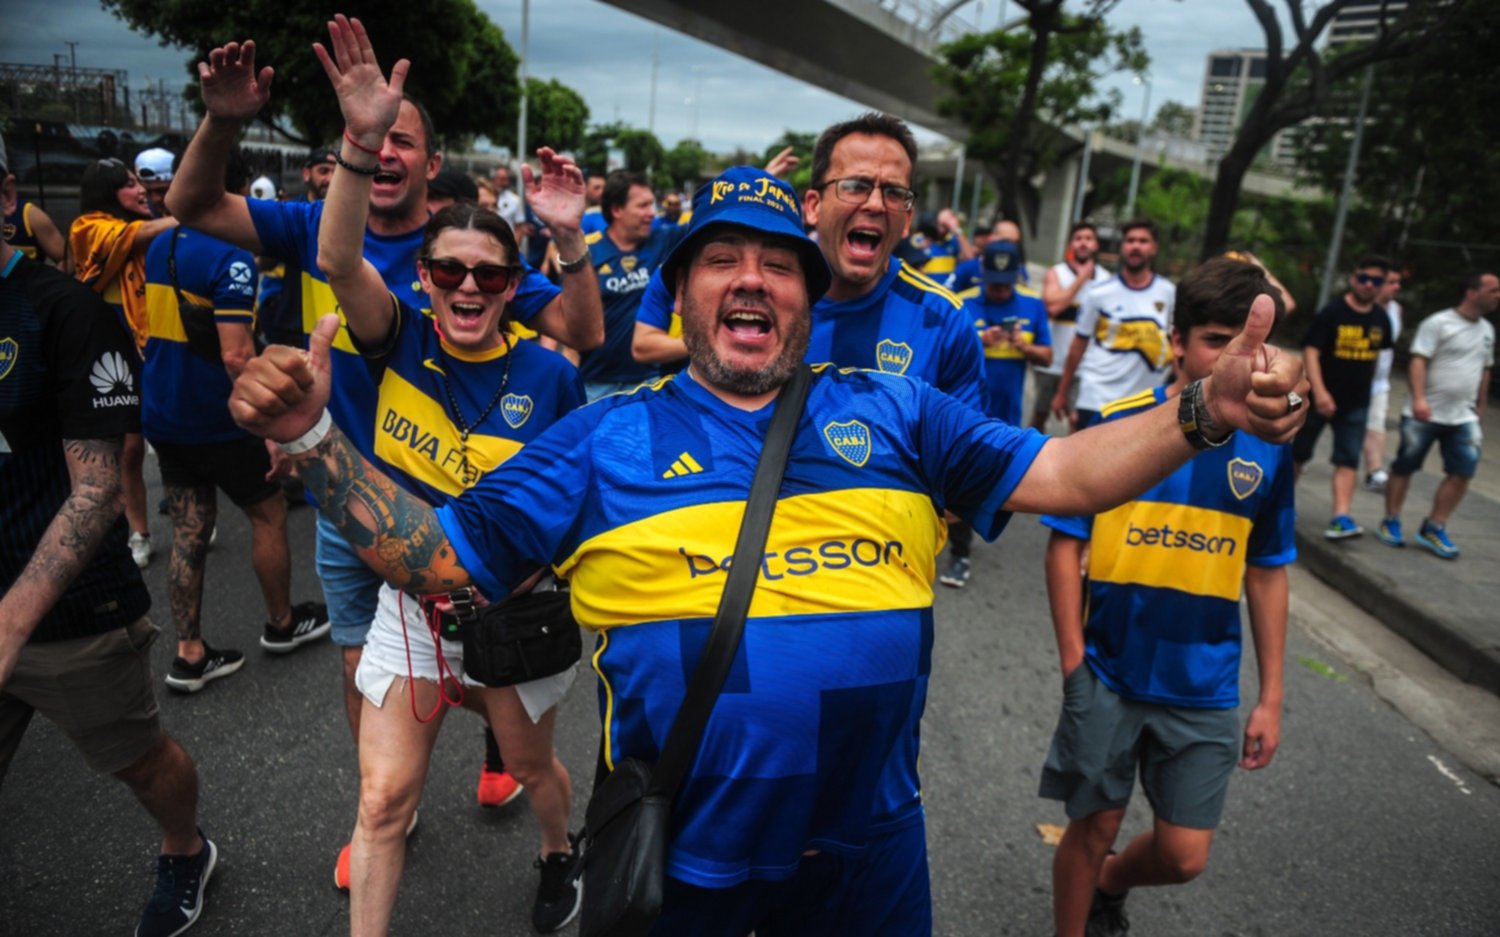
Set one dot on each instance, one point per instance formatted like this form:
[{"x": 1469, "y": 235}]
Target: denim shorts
[
  {"x": 1348, "y": 436},
  {"x": 1459, "y": 444},
  {"x": 350, "y": 588}
]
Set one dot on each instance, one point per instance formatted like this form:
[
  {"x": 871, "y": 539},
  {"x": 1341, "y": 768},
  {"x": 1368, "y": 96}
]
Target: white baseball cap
[
  {"x": 263, "y": 188},
  {"x": 154, "y": 165}
]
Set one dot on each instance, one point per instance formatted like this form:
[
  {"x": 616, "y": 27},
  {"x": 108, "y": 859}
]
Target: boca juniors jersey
[
  {"x": 637, "y": 499},
  {"x": 623, "y": 278},
  {"x": 1166, "y": 570},
  {"x": 1129, "y": 346}
]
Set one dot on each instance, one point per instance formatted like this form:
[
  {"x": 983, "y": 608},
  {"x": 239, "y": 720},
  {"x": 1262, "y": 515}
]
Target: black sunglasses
[
  {"x": 1370, "y": 279},
  {"x": 450, "y": 274}
]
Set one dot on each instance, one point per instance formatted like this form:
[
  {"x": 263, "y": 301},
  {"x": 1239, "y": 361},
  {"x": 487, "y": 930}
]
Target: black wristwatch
[
  {"x": 1193, "y": 418},
  {"x": 576, "y": 264}
]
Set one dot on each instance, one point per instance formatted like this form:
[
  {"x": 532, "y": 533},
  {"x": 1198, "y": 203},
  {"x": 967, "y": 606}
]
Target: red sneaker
[
  {"x": 497, "y": 788},
  {"x": 341, "y": 867}
]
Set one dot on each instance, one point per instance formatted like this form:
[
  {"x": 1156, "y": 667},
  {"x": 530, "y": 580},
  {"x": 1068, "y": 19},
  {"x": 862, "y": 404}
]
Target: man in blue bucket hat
[{"x": 802, "y": 813}]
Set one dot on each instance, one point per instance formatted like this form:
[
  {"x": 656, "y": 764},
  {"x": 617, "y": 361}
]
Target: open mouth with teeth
[
  {"x": 466, "y": 314},
  {"x": 748, "y": 324},
  {"x": 863, "y": 243},
  {"x": 386, "y": 178}
]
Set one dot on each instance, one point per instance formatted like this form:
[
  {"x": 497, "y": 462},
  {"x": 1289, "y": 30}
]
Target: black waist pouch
[
  {"x": 625, "y": 867},
  {"x": 523, "y": 638}
]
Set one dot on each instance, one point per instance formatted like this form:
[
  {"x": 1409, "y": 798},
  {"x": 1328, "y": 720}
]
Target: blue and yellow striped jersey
[
  {"x": 185, "y": 389},
  {"x": 1005, "y": 365},
  {"x": 17, "y": 231},
  {"x": 623, "y": 275},
  {"x": 1166, "y": 570},
  {"x": 637, "y": 499},
  {"x": 504, "y": 405},
  {"x": 289, "y": 233},
  {"x": 942, "y": 257}
]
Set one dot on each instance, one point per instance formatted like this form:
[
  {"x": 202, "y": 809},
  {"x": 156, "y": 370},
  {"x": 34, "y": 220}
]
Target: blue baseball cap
[
  {"x": 1001, "y": 263},
  {"x": 746, "y": 197}
]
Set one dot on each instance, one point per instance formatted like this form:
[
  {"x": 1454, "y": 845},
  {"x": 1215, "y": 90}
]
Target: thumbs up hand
[
  {"x": 1255, "y": 386},
  {"x": 282, "y": 393}
]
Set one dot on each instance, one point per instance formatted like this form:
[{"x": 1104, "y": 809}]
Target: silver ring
[{"x": 1293, "y": 402}]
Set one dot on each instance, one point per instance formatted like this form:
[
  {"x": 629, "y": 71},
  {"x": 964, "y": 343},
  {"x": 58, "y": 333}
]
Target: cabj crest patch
[
  {"x": 892, "y": 357},
  {"x": 10, "y": 350},
  {"x": 1244, "y": 478},
  {"x": 516, "y": 409},
  {"x": 850, "y": 440}
]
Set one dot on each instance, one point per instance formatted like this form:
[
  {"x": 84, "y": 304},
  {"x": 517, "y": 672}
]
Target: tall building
[
  {"x": 1232, "y": 80},
  {"x": 1360, "y": 21}
]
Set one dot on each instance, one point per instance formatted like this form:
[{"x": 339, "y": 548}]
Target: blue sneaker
[
  {"x": 1389, "y": 532},
  {"x": 1435, "y": 538},
  {"x": 1342, "y": 527},
  {"x": 178, "y": 899}
]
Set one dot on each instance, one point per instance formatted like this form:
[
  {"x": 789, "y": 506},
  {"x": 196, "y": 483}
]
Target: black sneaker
[
  {"x": 309, "y": 623},
  {"x": 1107, "y": 916},
  {"x": 560, "y": 893},
  {"x": 178, "y": 899},
  {"x": 957, "y": 575},
  {"x": 190, "y": 678}
]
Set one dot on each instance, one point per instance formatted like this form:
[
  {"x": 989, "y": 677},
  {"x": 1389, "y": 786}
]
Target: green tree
[
  {"x": 999, "y": 82},
  {"x": 642, "y": 149},
  {"x": 1174, "y": 119},
  {"x": 555, "y": 116},
  {"x": 802, "y": 145},
  {"x": 1298, "y": 79},
  {"x": 462, "y": 68},
  {"x": 682, "y": 167},
  {"x": 1429, "y": 165}
]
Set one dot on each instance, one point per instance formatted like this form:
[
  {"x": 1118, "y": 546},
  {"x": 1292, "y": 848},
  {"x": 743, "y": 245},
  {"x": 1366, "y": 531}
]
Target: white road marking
[{"x": 1448, "y": 773}]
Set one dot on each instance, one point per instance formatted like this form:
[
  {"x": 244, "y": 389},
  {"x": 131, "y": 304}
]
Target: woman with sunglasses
[
  {"x": 108, "y": 241},
  {"x": 457, "y": 396}
]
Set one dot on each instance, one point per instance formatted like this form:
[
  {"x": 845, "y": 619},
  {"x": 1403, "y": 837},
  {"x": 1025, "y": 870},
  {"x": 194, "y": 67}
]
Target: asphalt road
[{"x": 1363, "y": 824}]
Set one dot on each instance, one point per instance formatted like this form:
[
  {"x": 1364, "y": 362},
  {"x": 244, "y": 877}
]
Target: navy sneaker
[
  {"x": 190, "y": 678},
  {"x": 1435, "y": 538},
  {"x": 957, "y": 575},
  {"x": 1107, "y": 916},
  {"x": 309, "y": 623},
  {"x": 178, "y": 899},
  {"x": 560, "y": 892}
]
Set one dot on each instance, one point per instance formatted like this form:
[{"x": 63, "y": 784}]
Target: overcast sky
[{"x": 605, "y": 54}]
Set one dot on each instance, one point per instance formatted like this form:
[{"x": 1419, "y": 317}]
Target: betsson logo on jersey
[
  {"x": 1170, "y": 538},
  {"x": 112, "y": 382},
  {"x": 805, "y": 561}
]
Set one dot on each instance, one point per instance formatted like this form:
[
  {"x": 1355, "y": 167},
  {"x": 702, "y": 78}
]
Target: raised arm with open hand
[
  {"x": 232, "y": 88},
  {"x": 281, "y": 395},
  {"x": 557, "y": 195},
  {"x": 370, "y": 103}
]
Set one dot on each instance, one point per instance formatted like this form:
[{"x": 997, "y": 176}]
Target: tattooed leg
[
  {"x": 193, "y": 511},
  {"x": 396, "y": 533}
]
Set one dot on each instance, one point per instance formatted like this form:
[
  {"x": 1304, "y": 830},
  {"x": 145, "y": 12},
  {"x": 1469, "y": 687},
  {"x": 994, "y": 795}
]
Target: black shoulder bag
[{"x": 629, "y": 819}]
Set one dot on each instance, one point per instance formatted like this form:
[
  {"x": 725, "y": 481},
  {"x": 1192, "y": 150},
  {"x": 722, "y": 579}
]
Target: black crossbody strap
[{"x": 734, "y": 605}]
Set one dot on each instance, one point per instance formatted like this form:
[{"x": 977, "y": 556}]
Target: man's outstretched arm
[
  {"x": 74, "y": 534},
  {"x": 282, "y": 396}
]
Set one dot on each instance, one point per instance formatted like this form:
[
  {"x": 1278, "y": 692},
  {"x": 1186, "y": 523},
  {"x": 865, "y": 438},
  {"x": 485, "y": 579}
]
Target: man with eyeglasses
[
  {"x": 1341, "y": 348},
  {"x": 879, "y": 313}
]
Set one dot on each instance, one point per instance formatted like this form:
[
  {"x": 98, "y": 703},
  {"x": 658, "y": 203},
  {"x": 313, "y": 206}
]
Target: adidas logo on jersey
[{"x": 684, "y": 465}]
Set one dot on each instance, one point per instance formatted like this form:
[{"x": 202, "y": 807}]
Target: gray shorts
[
  {"x": 1044, "y": 386},
  {"x": 1185, "y": 756},
  {"x": 96, "y": 690}
]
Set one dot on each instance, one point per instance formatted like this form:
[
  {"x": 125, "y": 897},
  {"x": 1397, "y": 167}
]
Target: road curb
[{"x": 1411, "y": 618}]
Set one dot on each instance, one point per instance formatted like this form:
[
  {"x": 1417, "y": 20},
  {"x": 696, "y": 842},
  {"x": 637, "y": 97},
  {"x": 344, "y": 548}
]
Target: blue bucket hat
[{"x": 746, "y": 197}]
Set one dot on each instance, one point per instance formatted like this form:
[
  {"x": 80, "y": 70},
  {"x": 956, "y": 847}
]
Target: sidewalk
[{"x": 1450, "y": 609}]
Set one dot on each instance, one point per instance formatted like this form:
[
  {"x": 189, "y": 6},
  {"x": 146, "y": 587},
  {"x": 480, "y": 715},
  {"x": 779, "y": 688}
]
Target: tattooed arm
[
  {"x": 281, "y": 396},
  {"x": 66, "y": 546}
]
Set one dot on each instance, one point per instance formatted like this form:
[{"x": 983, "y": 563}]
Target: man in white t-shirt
[
  {"x": 1121, "y": 344},
  {"x": 507, "y": 202},
  {"x": 1380, "y": 387},
  {"x": 1064, "y": 290},
  {"x": 1452, "y": 356}
]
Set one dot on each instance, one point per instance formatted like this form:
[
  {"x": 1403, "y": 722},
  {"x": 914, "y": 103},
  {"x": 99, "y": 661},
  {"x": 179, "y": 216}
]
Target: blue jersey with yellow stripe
[
  {"x": 637, "y": 499},
  {"x": 1166, "y": 570},
  {"x": 289, "y": 233},
  {"x": 184, "y": 387},
  {"x": 1005, "y": 365},
  {"x": 17, "y": 232},
  {"x": 623, "y": 275},
  {"x": 506, "y": 397},
  {"x": 906, "y": 325},
  {"x": 942, "y": 257}
]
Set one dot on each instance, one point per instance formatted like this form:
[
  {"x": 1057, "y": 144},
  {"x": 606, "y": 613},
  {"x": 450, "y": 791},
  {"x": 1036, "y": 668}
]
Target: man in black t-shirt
[
  {"x": 1340, "y": 351},
  {"x": 74, "y": 639}
]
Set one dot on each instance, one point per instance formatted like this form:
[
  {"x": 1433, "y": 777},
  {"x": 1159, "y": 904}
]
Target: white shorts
[
  {"x": 385, "y": 657},
  {"x": 1375, "y": 415}
]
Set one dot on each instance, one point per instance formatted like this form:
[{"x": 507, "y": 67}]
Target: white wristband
[{"x": 310, "y": 439}]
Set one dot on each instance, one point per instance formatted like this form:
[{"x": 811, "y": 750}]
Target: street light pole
[
  {"x": 1336, "y": 243},
  {"x": 521, "y": 121},
  {"x": 1135, "y": 165}
]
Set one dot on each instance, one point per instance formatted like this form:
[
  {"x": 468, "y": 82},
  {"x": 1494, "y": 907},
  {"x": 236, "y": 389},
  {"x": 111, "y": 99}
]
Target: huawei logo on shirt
[{"x": 113, "y": 382}]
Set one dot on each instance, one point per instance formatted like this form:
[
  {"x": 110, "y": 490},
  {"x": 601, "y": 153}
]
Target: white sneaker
[
  {"x": 140, "y": 549},
  {"x": 1376, "y": 480}
]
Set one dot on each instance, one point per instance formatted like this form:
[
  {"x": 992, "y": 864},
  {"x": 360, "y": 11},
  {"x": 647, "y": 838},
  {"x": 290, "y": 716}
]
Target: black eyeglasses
[
  {"x": 1370, "y": 279},
  {"x": 448, "y": 274},
  {"x": 856, "y": 191}
]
